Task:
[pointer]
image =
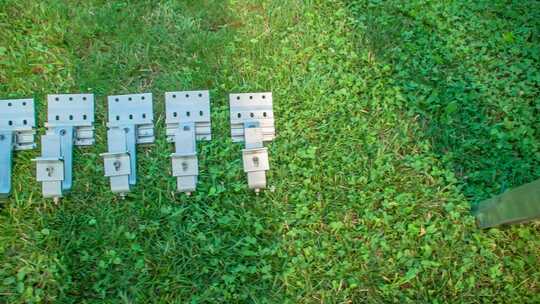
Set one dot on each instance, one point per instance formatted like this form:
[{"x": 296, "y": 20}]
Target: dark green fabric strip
[{"x": 515, "y": 206}]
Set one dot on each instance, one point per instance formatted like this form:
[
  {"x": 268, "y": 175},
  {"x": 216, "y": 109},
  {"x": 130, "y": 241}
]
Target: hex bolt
[
  {"x": 256, "y": 161},
  {"x": 62, "y": 132},
  {"x": 117, "y": 164},
  {"x": 184, "y": 166},
  {"x": 2, "y": 137},
  {"x": 49, "y": 171}
]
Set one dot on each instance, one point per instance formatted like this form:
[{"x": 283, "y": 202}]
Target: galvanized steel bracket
[
  {"x": 188, "y": 120},
  {"x": 70, "y": 121},
  {"x": 252, "y": 121},
  {"x": 17, "y": 132},
  {"x": 131, "y": 122}
]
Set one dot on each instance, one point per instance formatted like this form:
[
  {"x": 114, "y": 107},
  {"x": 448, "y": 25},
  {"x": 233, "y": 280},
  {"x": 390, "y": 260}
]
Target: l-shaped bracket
[
  {"x": 17, "y": 132},
  {"x": 188, "y": 120},
  {"x": 252, "y": 121},
  {"x": 70, "y": 122},
  {"x": 131, "y": 122}
]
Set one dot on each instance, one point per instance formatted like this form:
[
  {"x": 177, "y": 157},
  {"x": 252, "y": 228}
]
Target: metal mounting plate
[
  {"x": 18, "y": 116},
  {"x": 252, "y": 107},
  {"x": 188, "y": 107},
  {"x": 133, "y": 109},
  {"x": 75, "y": 110}
]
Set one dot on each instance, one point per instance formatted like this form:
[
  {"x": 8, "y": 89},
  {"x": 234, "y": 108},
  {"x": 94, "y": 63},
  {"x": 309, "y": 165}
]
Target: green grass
[{"x": 393, "y": 117}]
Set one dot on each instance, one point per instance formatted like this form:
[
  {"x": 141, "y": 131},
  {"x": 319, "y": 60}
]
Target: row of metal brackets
[{"x": 131, "y": 122}]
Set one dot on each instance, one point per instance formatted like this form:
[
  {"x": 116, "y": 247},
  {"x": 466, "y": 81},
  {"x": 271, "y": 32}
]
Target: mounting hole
[
  {"x": 142, "y": 97},
  {"x": 117, "y": 117},
  {"x": 84, "y": 117},
  {"x": 129, "y": 98},
  {"x": 237, "y": 97},
  {"x": 201, "y": 113},
  {"x": 24, "y": 103},
  {"x": 175, "y": 114},
  {"x": 144, "y": 116},
  {"x": 251, "y": 115},
  {"x": 187, "y": 95},
  {"x": 70, "y": 117},
  {"x": 57, "y": 117},
  {"x": 9, "y": 104},
  {"x": 25, "y": 122},
  {"x": 130, "y": 116},
  {"x": 84, "y": 98},
  {"x": 57, "y": 98},
  {"x": 200, "y": 94},
  {"x": 239, "y": 115},
  {"x": 264, "y": 97},
  {"x": 174, "y": 96},
  {"x": 71, "y": 99},
  {"x": 188, "y": 114},
  {"x": 117, "y": 99},
  {"x": 10, "y": 123},
  {"x": 250, "y": 97},
  {"x": 264, "y": 114}
]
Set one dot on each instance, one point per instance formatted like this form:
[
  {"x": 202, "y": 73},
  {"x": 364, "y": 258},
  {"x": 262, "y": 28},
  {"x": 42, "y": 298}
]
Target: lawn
[{"x": 393, "y": 119}]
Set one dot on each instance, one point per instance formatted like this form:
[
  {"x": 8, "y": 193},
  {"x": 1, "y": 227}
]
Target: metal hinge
[
  {"x": 131, "y": 122},
  {"x": 17, "y": 123},
  {"x": 70, "y": 122},
  {"x": 252, "y": 121},
  {"x": 188, "y": 120}
]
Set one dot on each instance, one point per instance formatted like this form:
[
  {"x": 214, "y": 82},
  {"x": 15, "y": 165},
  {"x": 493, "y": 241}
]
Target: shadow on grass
[{"x": 470, "y": 70}]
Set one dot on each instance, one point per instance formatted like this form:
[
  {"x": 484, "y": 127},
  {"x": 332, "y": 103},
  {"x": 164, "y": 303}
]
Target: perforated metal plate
[
  {"x": 251, "y": 107},
  {"x": 76, "y": 110},
  {"x": 18, "y": 115},
  {"x": 133, "y": 109},
  {"x": 188, "y": 107}
]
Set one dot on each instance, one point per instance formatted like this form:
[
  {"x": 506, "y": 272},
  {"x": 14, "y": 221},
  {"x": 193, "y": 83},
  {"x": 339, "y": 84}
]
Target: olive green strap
[{"x": 515, "y": 206}]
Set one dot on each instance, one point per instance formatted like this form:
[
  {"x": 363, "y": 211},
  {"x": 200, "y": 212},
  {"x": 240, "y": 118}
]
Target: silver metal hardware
[
  {"x": 252, "y": 121},
  {"x": 17, "y": 132},
  {"x": 131, "y": 122},
  {"x": 188, "y": 120},
  {"x": 70, "y": 122}
]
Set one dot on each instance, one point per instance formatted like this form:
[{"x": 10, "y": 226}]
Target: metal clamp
[
  {"x": 252, "y": 121},
  {"x": 17, "y": 123},
  {"x": 131, "y": 122},
  {"x": 188, "y": 120},
  {"x": 70, "y": 122}
]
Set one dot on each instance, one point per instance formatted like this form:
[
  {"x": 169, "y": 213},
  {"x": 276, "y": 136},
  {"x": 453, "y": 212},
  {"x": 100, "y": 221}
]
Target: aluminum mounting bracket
[
  {"x": 131, "y": 122},
  {"x": 188, "y": 120},
  {"x": 249, "y": 108},
  {"x": 252, "y": 121},
  {"x": 70, "y": 122},
  {"x": 17, "y": 132}
]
